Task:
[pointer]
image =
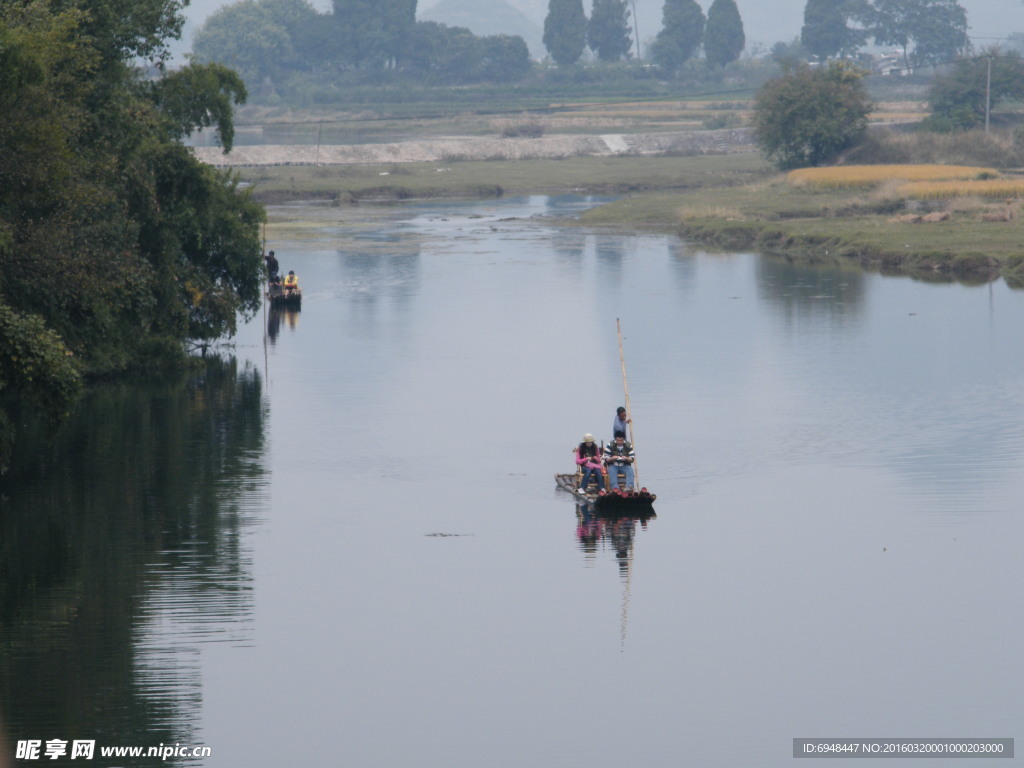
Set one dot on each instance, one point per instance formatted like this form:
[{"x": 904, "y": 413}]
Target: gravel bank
[{"x": 473, "y": 148}]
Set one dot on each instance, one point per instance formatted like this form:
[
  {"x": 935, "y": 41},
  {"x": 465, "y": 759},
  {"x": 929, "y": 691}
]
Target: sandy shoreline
[{"x": 453, "y": 149}]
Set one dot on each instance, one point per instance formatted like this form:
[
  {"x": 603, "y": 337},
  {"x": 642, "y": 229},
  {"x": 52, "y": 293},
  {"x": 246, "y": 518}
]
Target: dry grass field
[{"x": 862, "y": 176}]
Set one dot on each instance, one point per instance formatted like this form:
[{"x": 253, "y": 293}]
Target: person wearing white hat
[{"x": 588, "y": 457}]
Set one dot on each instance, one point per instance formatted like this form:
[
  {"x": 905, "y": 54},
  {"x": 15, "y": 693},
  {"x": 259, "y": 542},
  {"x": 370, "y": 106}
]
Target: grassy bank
[
  {"x": 968, "y": 238},
  {"x": 730, "y": 201},
  {"x": 371, "y": 183}
]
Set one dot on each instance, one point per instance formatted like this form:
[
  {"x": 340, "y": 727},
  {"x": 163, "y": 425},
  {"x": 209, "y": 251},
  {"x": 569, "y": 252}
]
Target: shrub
[{"x": 809, "y": 116}]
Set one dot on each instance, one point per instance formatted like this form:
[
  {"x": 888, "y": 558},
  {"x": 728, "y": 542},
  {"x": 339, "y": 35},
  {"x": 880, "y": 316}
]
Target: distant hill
[{"x": 486, "y": 17}]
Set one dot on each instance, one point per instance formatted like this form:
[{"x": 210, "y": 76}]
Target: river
[{"x": 341, "y": 543}]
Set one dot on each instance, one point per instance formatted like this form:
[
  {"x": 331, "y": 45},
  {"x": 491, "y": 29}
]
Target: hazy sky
[{"x": 765, "y": 21}]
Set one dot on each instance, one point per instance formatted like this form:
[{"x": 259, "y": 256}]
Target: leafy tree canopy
[
  {"x": 927, "y": 31},
  {"x": 682, "y": 30},
  {"x": 372, "y": 33},
  {"x": 608, "y": 30},
  {"x": 116, "y": 245},
  {"x": 827, "y": 31},
  {"x": 724, "y": 40},
  {"x": 565, "y": 31},
  {"x": 246, "y": 37},
  {"x": 959, "y": 98},
  {"x": 808, "y": 116}
]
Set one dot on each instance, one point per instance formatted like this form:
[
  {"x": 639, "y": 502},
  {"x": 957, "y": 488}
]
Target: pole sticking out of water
[
  {"x": 629, "y": 412},
  {"x": 266, "y": 367}
]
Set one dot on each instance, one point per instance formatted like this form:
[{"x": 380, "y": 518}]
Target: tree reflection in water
[{"x": 122, "y": 549}]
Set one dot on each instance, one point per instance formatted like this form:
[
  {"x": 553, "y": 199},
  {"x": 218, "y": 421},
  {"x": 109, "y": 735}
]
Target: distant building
[{"x": 890, "y": 64}]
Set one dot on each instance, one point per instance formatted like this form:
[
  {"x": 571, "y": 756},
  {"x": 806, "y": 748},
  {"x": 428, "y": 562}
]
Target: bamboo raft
[
  {"x": 634, "y": 503},
  {"x": 279, "y": 296},
  {"x": 611, "y": 501}
]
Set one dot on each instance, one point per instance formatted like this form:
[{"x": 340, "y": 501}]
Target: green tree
[
  {"x": 440, "y": 53},
  {"x": 373, "y": 34},
  {"x": 927, "y": 31},
  {"x": 245, "y": 37},
  {"x": 723, "y": 34},
  {"x": 116, "y": 245},
  {"x": 1015, "y": 42},
  {"x": 789, "y": 54},
  {"x": 608, "y": 30},
  {"x": 808, "y": 116},
  {"x": 505, "y": 58},
  {"x": 958, "y": 99},
  {"x": 827, "y": 32},
  {"x": 565, "y": 31},
  {"x": 682, "y": 30},
  {"x": 458, "y": 59},
  {"x": 120, "y": 30},
  {"x": 199, "y": 96}
]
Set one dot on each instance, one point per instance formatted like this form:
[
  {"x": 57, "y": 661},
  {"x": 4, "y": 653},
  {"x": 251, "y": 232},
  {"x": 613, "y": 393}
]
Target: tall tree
[
  {"x": 373, "y": 33},
  {"x": 608, "y": 30},
  {"x": 504, "y": 58},
  {"x": 117, "y": 246},
  {"x": 827, "y": 31},
  {"x": 808, "y": 116},
  {"x": 565, "y": 30},
  {"x": 724, "y": 40},
  {"x": 927, "y": 31},
  {"x": 682, "y": 29},
  {"x": 246, "y": 38}
]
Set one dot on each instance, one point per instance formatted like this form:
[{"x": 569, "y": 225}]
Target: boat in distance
[{"x": 284, "y": 296}]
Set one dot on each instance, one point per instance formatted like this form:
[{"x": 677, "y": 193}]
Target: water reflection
[
  {"x": 595, "y": 531},
  {"x": 122, "y": 550},
  {"x": 569, "y": 245},
  {"x": 382, "y": 286},
  {"x": 806, "y": 292},
  {"x": 276, "y": 315}
]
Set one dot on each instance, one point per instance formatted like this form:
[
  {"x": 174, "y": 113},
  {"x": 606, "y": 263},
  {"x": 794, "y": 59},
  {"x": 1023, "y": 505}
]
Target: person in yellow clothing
[{"x": 291, "y": 282}]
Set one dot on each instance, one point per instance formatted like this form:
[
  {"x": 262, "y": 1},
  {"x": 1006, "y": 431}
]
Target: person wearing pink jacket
[{"x": 588, "y": 457}]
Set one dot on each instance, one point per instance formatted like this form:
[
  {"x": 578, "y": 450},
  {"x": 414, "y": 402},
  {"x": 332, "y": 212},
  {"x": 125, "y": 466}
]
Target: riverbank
[
  {"x": 967, "y": 239},
  {"x": 362, "y": 183},
  {"x": 728, "y": 200}
]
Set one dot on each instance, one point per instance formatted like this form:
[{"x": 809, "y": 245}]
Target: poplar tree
[
  {"x": 565, "y": 31},
  {"x": 608, "y": 30},
  {"x": 682, "y": 29},
  {"x": 723, "y": 34}
]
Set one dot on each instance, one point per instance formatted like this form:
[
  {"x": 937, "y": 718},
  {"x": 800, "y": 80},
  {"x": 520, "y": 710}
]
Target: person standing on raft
[{"x": 621, "y": 421}]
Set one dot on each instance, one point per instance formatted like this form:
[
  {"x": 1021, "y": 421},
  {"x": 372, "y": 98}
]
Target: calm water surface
[{"x": 353, "y": 554}]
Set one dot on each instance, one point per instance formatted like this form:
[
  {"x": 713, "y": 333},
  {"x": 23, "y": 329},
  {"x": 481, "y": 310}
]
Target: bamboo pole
[{"x": 629, "y": 412}]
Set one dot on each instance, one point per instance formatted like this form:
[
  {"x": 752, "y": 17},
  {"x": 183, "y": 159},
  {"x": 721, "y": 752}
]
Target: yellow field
[
  {"x": 945, "y": 190},
  {"x": 844, "y": 176}
]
